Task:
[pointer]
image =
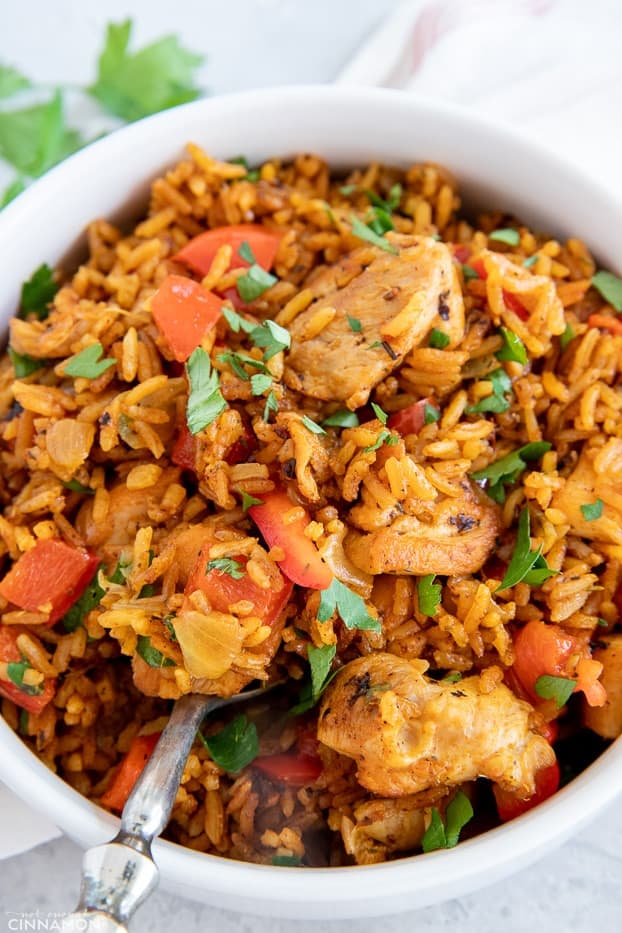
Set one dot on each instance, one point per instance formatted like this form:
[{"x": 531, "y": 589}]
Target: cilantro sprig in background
[{"x": 34, "y": 131}]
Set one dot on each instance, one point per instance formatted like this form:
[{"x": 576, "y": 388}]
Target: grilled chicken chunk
[
  {"x": 606, "y": 720},
  {"x": 585, "y": 486},
  {"x": 396, "y": 300},
  {"x": 408, "y": 732}
]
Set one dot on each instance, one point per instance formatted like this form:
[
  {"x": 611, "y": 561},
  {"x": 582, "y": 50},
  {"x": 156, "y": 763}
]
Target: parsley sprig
[
  {"x": 233, "y": 568},
  {"x": 88, "y": 364},
  {"x": 320, "y": 663},
  {"x": 496, "y": 401},
  {"x": 205, "y": 400},
  {"x": 235, "y": 746},
  {"x": 526, "y": 565},
  {"x": 351, "y": 608},
  {"x": 559, "y": 689},
  {"x": 507, "y": 470},
  {"x": 447, "y": 835}
]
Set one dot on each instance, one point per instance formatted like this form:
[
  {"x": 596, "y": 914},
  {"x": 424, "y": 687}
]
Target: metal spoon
[{"x": 119, "y": 875}]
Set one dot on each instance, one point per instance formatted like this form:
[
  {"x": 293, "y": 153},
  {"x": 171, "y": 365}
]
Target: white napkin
[{"x": 551, "y": 68}]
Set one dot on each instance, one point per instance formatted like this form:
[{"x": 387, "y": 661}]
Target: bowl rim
[{"x": 496, "y": 851}]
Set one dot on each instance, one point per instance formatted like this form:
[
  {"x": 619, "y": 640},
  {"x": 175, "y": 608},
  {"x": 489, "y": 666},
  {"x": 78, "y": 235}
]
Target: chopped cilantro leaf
[
  {"x": 452, "y": 678},
  {"x": 505, "y": 235},
  {"x": 87, "y": 364},
  {"x": 205, "y": 401},
  {"x": 287, "y": 861},
  {"x": 380, "y": 221},
  {"x": 508, "y": 468},
  {"x": 151, "y": 655},
  {"x": 38, "y": 292},
  {"x": 271, "y": 405},
  {"x": 430, "y": 414},
  {"x": 379, "y": 413},
  {"x": 235, "y": 746},
  {"x": 271, "y": 337},
  {"x": 233, "y": 568},
  {"x": 260, "y": 382},
  {"x": 36, "y": 138},
  {"x": 11, "y": 81},
  {"x": 610, "y": 287},
  {"x": 439, "y": 836},
  {"x": 347, "y": 190},
  {"x": 245, "y": 252},
  {"x": 469, "y": 272},
  {"x": 429, "y": 594},
  {"x": 592, "y": 510},
  {"x": 248, "y": 500},
  {"x": 567, "y": 336},
  {"x": 530, "y": 261},
  {"x": 157, "y": 77},
  {"x": 236, "y": 322},
  {"x": 348, "y": 604},
  {"x": 363, "y": 232},
  {"x": 342, "y": 419},
  {"x": 312, "y": 426},
  {"x": 320, "y": 661},
  {"x": 23, "y": 365},
  {"x": 355, "y": 324},
  {"x": 559, "y": 689},
  {"x": 11, "y": 191},
  {"x": 237, "y": 362},
  {"x": 90, "y": 599},
  {"x": 254, "y": 283},
  {"x": 15, "y": 671},
  {"x": 75, "y": 486},
  {"x": 524, "y": 559},
  {"x": 496, "y": 401},
  {"x": 438, "y": 339},
  {"x": 513, "y": 347},
  {"x": 385, "y": 437}
]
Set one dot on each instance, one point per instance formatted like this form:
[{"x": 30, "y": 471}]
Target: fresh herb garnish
[
  {"x": 157, "y": 77},
  {"x": 349, "y": 605},
  {"x": 15, "y": 671},
  {"x": 254, "y": 283},
  {"x": 38, "y": 292},
  {"x": 439, "y": 836},
  {"x": 526, "y": 565},
  {"x": 469, "y": 272},
  {"x": 90, "y": 599},
  {"x": 567, "y": 336},
  {"x": 610, "y": 287},
  {"x": 233, "y": 568},
  {"x": 592, "y": 510},
  {"x": 342, "y": 419},
  {"x": 248, "y": 500},
  {"x": 245, "y": 252},
  {"x": 252, "y": 174},
  {"x": 513, "y": 348},
  {"x": 87, "y": 364},
  {"x": 429, "y": 594},
  {"x": 530, "y": 261},
  {"x": 271, "y": 405},
  {"x": 385, "y": 437},
  {"x": 496, "y": 401},
  {"x": 11, "y": 191},
  {"x": 11, "y": 81},
  {"x": 260, "y": 383},
  {"x": 379, "y": 413},
  {"x": 312, "y": 426},
  {"x": 430, "y": 414},
  {"x": 452, "y": 678},
  {"x": 287, "y": 861},
  {"x": 237, "y": 362},
  {"x": 151, "y": 655},
  {"x": 271, "y": 337},
  {"x": 75, "y": 486},
  {"x": 505, "y": 235},
  {"x": 23, "y": 365},
  {"x": 380, "y": 221},
  {"x": 363, "y": 232},
  {"x": 355, "y": 324},
  {"x": 320, "y": 661},
  {"x": 508, "y": 468},
  {"x": 236, "y": 322},
  {"x": 438, "y": 339},
  {"x": 235, "y": 746},
  {"x": 602, "y": 622},
  {"x": 34, "y": 139},
  {"x": 205, "y": 400},
  {"x": 559, "y": 689}
]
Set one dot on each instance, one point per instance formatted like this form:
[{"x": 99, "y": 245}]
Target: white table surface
[{"x": 259, "y": 43}]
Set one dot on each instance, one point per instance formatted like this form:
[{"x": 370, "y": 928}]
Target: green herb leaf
[
  {"x": 429, "y": 594},
  {"x": 271, "y": 405},
  {"x": 438, "y": 339},
  {"x": 592, "y": 510},
  {"x": 236, "y": 322},
  {"x": 469, "y": 272},
  {"x": 559, "y": 689},
  {"x": 254, "y": 283},
  {"x": 36, "y": 138},
  {"x": 380, "y": 221},
  {"x": 120, "y": 572},
  {"x": 379, "y": 413},
  {"x": 363, "y": 232},
  {"x": 505, "y": 235},
  {"x": 89, "y": 600},
  {"x": 312, "y": 426},
  {"x": 248, "y": 500},
  {"x": 320, "y": 661},
  {"x": 496, "y": 402},
  {"x": 233, "y": 568},
  {"x": 287, "y": 861},
  {"x": 151, "y": 655},
  {"x": 347, "y": 190},
  {"x": 23, "y": 365},
  {"x": 603, "y": 623},
  {"x": 385, "y": 437},
  {"x": 38, "y": 292},
  {"x": 237, "y": 362},
  {"x": 75, "y": 486},
  {"x": 16, "y": 671},
  {"x": 11, "y": 81},
  {"x": 355, "y": 324},
  {"x": 459, "y": 812},
  {"x": 155, "y": 78},
  {"x": 245, "y": 252},
  {"x": 513, "y": 347},
  {"x": 452, "y": 678},
  {"x": 530, "y": 261},
  {"x": 271, "y": 337},
  {"x": 235, "y": 746},
  {"x": 342, "y": 419},
  {"x": 252, "y": 174},
  {"x": 430, "y": 414},
  {"x": 523, "y": 559},
  {"x": 87, "y": 364},
  {"x": 205, "y": 401},
  {"x": 11, "y": 191},
  {"x": 567, "y": 336},
  {"x": 508, "y": 468},
  {"x": 606, "y": 283},
  {"x": 434, "y": 836},
  {"x": 349, "y": 605},
  {"x": 260, "y": 383}
]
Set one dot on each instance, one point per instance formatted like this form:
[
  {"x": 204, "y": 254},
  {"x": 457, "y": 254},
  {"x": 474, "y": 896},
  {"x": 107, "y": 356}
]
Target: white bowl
[{"x": 348, "y": 127}]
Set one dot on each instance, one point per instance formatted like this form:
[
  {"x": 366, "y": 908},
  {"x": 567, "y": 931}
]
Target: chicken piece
[
  {"x": 408, "y": 733},
  {"x": 128, "y": 510},
  {"x": 585, "y": 486},
  {"x": 381, "y": 827},
  {"x": 449, "y": 535},
  {"x": 606, "y": 720},
  {"x": 397, "y": 299}
]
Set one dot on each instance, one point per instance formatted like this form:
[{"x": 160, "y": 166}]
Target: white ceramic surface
[{"x": 346, "y": 126}]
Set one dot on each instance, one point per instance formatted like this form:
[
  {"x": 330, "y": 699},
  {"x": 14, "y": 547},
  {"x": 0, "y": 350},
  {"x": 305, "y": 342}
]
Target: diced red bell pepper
[
  {"x": 128, "y": 772},
  {"x": 550, "y": 731},
  {"x": 509, "y": 806},
  {"x": 9, "y": 652},
  {"x": 297, "y": 769},
  {"x": 542, "y": 648},
  {"x": 409, "y": 420},
  {"x": 241, "y": 450},
  {"x": 199, "y": 253},
  {"x": 605, "y": 322},
  {"x": 514, "y": 304},
  {"x": 184, "y": 312},
  {"x": 478, "y": 266},
  {"x": 302, "y": 562},
  {"x": 222, "y": 590},
  {"x": 461, "y": 252},
  {"x": 233, "y": 296},
  {"x": 51, "y": 575},
  {"x": 184, "y": 448}
]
